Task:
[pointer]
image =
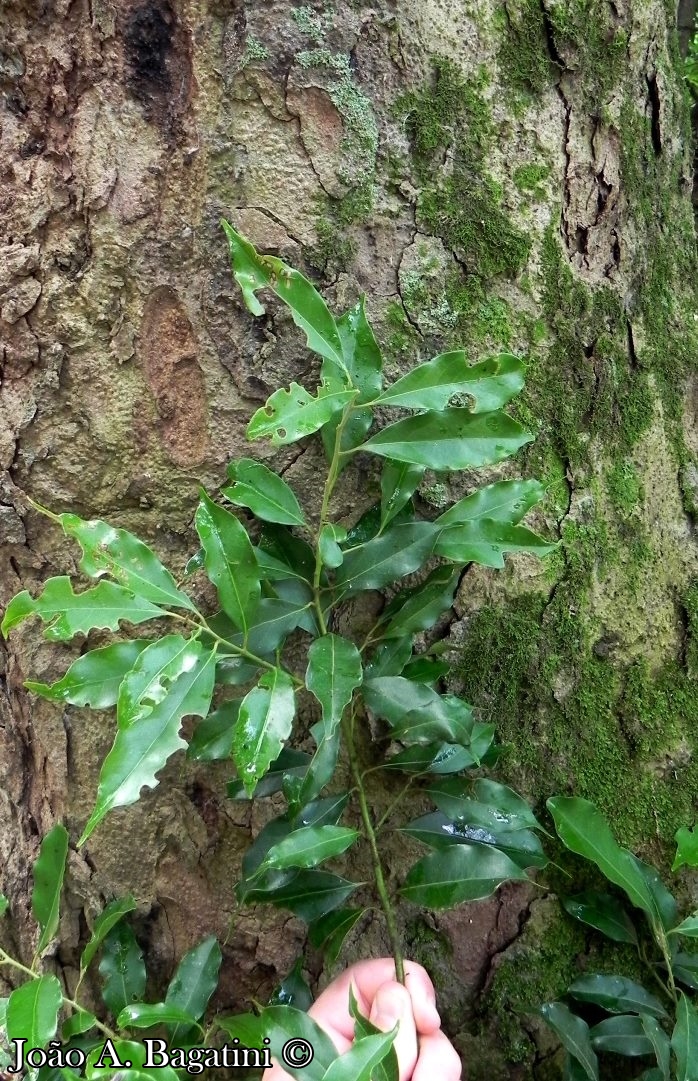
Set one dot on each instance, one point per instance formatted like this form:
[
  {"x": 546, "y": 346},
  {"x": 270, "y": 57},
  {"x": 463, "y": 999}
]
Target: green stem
[
  {"x": 392, "y": 805},
  {"x": 381, "y": 886},
  {"x": 332, "y": 475}
]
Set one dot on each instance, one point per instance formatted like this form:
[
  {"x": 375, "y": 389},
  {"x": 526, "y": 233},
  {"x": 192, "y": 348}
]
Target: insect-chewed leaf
[
  {"x": 363, "y": 362},
  {"x": 265, "y": 493},
  {"x": 399, "y": 551},
  {"x": 230, "y": 561},
  {"x": 32, "y": 1011},
  {"x": 457, "y": 874},
  {"x": 254, "y": 271},
  {"x": 108, "y": 918},
  {"x": 122, "y": 968},
  {"x": 309, "y": 894},
  {"x": 264, "y": 722},
  {"x": 49, "y": 870},
  {"x": 604, "y": 912},
  {"x": 193, "y": 984},
  {"x": 416, "y": 713},
  {"x": 309, "y": 846},
  {"x": 616, "y": 994},
  {"x": 334, "y": 671},
  {"x": 399, "y": 481},
  {"x": 329, "y": 932},
  {"x": 149, "y": 720},
  {"x": 686, "y": 848},
  {"x": 450, "y": 440},
  {"x": 574, "y": 1035},
  {"x": 505, "y": 501},
  {"x": 94, "y": 679},
  {"x": 491, "y": 383},
  {"x": 585, "y": 831},
  {"x": 289, "y": 415},
  {"x": 487, "y": 542},
  {"x": 116, "y": 552},
  {"x": 420, "y": 607},
  {"x": 66, "y": 613}
]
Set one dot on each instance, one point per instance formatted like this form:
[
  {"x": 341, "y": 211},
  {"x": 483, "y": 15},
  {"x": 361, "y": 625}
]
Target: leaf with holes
[
  {"x": 263, "y": 725},
  {"x": 94, "y": 679},
  {"x": 490, "y": 384},
  {"x": 66, "y": 613},
  {"x": 292, "y": 414}
]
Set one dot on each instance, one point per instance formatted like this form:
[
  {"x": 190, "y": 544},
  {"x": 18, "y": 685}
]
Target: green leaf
[
  {"x": 309, "y": 894},
  {"x": 93, "y": 679},
  {"x": 108, "y": 918},
  {"x": 291, "y": 551},
  {"x": 685, "y": 969},
  {"x": 149, "y": 719},
  {"x": 660, "y": 1044},
  {"x": 334, "y": 671},
  {"x": 122, "y": 968},
  {"x": 451, "y": 440},
  {"x": 363, "y": 362},
  {"x": 116, "y": 552},
  {"x": 329, "y": 540},
  {"x": 4, "y": 904},
  {"x": 329, "y": 932},
  {"x": 416, "y": 712},
  {"x": 424, "y": 669},
  {"x": 604, "y": 912},
  {"x": 359, "y": 1062},
  {"x": 399, "y": 482},
  {"x": 263, "y": 725},
  {"x": 585, "y": 831},
  {"x": 622, "y": 1035},
  {"x": 108, "y": 1059},
  {"x": 504, "y": 501},
  {"x": 435, "y": 758},
  {"x": 213, "y": 736},
  {"x": 281, "y": 1024},
  {"x": 574, "y": 1035},
  {"x": 616, "y": 994},
  {"x": 32, "y": 1011},
  {"x": 323, "y": 812},
  {"x": 386, "y": 1070},
  {"x": 81, "y": 1021},
  {"x": 230, "y": 561},
  {"x": 491, "y": 383},
  {"x": 688, "y": 928},
  {"x": 49, "y": 870},
  {"x": 293, "y": 990},
  {"x": 254, "y": 271},
  {"x": 684, "y": 1040},
  {"x": 399, "y": 551},
  {"x": 289, "y": 763},
  {"x": 67, "y": 613},
  {"x": 145, "y": 1015},
  {"x": 292, "y": 414},
  {"x": 417, "y": 609},
  {"x": 193, "y": 983},
  {"x": 686, "y": 848},
  {"x": 435, "y": 830},
  {"x": 309, "y": 846},
  {"x": 270, "y": 834},
  {"x": 487, "y": 541},
  {"x": 389, "y": 658},
  {"x": 263, "y": 492},
  {"x": 457, "y": 874},
  {"x": 510, "y": 805},
  {"x": 274, "y": 620}
]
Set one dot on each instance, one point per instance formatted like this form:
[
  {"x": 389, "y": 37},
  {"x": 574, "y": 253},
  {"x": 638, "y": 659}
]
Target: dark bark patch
[{"x": 157, "y": 54}]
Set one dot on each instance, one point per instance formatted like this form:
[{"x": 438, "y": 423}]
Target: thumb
[{"x": 392, "y": 1005}]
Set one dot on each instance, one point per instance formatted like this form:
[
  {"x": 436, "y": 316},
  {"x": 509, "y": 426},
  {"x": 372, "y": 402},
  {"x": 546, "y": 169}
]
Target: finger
[
  {"x": 367, "y": 977},
  {"x": 392, "y": 1005},
  {"x": 438, "y": 1058}
]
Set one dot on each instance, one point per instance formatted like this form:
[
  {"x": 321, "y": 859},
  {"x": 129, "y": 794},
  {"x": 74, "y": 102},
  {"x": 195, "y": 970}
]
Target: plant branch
[
  {"x": 239, "y": 651},
  {"x": 330, "y": 482}
]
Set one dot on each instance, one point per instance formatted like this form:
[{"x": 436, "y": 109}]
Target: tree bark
[{"x": 495, "y": 175}]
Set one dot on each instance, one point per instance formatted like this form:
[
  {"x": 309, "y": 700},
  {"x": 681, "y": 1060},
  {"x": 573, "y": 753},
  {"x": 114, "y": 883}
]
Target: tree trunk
[{"x": 494, "y": 175}]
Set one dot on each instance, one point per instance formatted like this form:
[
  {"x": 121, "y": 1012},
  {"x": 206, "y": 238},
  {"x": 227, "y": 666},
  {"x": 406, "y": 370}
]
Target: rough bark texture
[{"x": 490, "y": 174}]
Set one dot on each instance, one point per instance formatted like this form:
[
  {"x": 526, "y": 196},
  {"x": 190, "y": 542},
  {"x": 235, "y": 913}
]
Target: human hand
[{"x": 423, "y": 1051}]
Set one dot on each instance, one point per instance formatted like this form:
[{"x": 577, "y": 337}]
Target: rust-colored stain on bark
[{"x": 169, "y": 355}]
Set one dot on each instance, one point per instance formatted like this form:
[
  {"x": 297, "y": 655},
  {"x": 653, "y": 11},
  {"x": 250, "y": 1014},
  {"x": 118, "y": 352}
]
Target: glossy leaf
[
  {"x": 363, "y": 362},
  {"x": 437, "y": 758},
  {"x": 457, "y": 874},
  {"x": 419, "y": 608},
  {"x": 660, "y": 1044},
  {"x": 66, "y": 613},
  {"x": 574, "y": 1035},
  {"x": 94, "y": 679},
  {"x": 450, "y": 440},
  {"x": 213, "y": 736},
  {"x": 399, "y": 482},
  {"x": 48, "y": 873},
  {"x": 329, "y": 932},
  {"x": 450, "y": 796},
  {"x": 510, "y": 805},
  {"x": 604, "y": 912},
  {"x": 275, "y": 618},
  {"x": 281, "y": 1024},
  {"x": 487, "y": 542},
  {"x": 684, "y": 1040},
  {"x": 435, "y": 830},
  {"x": 122, "y": 968},
  {"x": 309, "y": 895},
  {"x": 79, "y": 1022},
  {"x": 688, "y": 927},
  {"x": 193, "y": 983},
  {"x": 263, "y": 492},
  {"x": 309, "y": 846},
  {"x": 490, "y": 384},
  {"x": 116, "y": 552},
  {"x": 288, "y": 549},
  {"x": 504, "y": 501},
  {"x": 334, "y": 671},
  {"x": 322, "y": 765},
  {"x": 254, "y": 271},
  {"x": 622, "y": 1035},
  {"x": 331, "y": 536},
  {"x": 585, "y": 831},
  {"x": 389, "y": 658},
  {"x": 108, "y": 918},
  {"x": 32, "y": 1011},
  {"x": 616, "y": 994},
  {"x": 685, "y": 969},
  {"x": 416, "y": 712},
  {"x": 664, "y": 901},
  {"x": 686, "y": 848},
  {"x": 425, "y": 669},
  {"x": 108, "y": 1059},
  {"x": 289, "y": 762},
  {"x": 263, "y": 725},
  {"x": 293, "y": 990},
  {"x": 147, "y": 1014},
  {"x": 362, "y": 1058},
  {"x": 292, "y": 414},
  {"x": 399, "y": 551},
  {"x": 229, "y": 560},
  {"x": 323, "y": 812},
  {"x": 387, "y": 1069},
  {"x": 149, "y": 723}
]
